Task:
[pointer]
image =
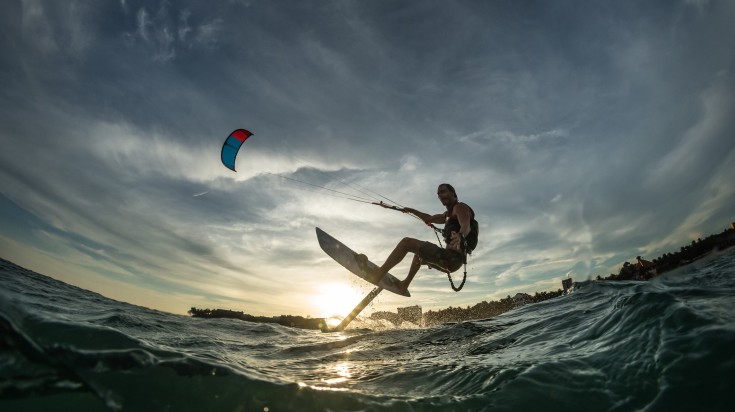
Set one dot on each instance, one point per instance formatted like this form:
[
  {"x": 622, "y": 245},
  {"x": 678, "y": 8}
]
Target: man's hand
[{"x": 456, "y": 242}]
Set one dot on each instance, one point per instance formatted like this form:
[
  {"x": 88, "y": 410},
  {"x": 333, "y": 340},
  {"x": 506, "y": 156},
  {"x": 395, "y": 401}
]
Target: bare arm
[
  {"x": 462, "y": 211},
  {"x": 463, "y": 215},
  {"x": 439, "y": 219}
]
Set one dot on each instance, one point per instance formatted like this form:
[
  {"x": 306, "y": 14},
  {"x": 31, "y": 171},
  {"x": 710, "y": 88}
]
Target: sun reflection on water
[{"x": 342, "y": 370}]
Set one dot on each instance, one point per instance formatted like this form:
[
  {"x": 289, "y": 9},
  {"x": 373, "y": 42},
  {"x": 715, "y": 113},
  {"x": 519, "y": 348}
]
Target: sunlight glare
[
  {"x": 333, "y": 322},
  {"x": 342, "y": 370},
  {"x": 337, "y": 299}
]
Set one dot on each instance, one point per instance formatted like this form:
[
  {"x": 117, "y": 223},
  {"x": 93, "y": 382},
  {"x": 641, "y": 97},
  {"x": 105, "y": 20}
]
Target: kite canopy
[{"x": 232, "y": 146}]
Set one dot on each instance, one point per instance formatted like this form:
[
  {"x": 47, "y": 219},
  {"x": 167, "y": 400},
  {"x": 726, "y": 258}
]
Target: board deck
[{"x": 346, "y": 257}]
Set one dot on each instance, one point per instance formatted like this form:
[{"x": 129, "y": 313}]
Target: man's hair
[{"x": 450, "y": 188}]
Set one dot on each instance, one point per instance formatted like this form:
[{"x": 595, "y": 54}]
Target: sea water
[{"x": 662, "y": 345}]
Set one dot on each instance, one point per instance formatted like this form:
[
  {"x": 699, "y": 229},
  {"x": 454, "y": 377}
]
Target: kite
[{"x": 232, "y": 146}]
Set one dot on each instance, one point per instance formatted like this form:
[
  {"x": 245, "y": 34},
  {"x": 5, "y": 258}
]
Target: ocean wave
[{"x": 664, "y": 344}]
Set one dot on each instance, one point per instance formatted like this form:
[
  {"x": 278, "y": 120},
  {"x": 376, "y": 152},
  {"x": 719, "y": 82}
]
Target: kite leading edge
[{"x": 232, "y": 146}]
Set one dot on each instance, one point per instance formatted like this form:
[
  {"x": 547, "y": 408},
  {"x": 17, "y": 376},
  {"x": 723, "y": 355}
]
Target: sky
[{"x": 582, "y": 134}]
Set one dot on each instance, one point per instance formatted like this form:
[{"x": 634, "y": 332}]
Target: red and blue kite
[{"x": 232, "y": 146}]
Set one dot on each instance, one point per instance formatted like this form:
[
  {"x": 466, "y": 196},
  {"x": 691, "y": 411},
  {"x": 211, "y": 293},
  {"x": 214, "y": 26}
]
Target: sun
[{"x": 336, "y": 299}]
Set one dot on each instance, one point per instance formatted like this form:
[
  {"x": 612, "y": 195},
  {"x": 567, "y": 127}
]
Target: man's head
[{"x": 446, "y": 194}]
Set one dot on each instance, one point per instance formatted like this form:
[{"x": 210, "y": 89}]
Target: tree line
[
  {"x": 285, "y": 320},
  {"x": 670, "y": 261},
  {"x": 483, "y": 310}
]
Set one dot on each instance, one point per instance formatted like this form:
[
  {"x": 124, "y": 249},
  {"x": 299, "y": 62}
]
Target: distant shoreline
[
  {"x": 284, "y": 320},
  {"x": 643, "y": 270},
  {"x": 698, "y": 249}
]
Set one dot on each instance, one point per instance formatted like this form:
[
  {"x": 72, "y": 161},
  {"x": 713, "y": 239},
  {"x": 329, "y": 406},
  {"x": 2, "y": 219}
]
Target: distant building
[
  {"x": 566, "y": 284},
  {"x": 384, "y": 315},
  {"x": 646, "y": 269},
  {"x": 644, "y": 264},
  {"x": 411, "y": 314},
  {"x": 521, "y": 299}
]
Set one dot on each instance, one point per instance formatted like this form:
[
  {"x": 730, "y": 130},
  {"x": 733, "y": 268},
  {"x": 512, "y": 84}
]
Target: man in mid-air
[{"x": 460, "y": 235}]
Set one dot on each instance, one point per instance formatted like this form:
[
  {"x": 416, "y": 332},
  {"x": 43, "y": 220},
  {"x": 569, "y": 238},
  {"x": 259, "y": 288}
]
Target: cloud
[
  {"x": 52, "y": 28},
  {"x": 700, "y": 147},
  {"x": 37, "y": 27},
  {"x": 167, "y": 36}
]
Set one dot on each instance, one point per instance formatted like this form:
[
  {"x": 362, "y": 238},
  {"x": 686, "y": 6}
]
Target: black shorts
[{"x": 443, "y": 259}]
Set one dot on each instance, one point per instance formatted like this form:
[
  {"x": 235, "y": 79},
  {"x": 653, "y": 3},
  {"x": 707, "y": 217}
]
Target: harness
[{"x": 465, "y": 250}]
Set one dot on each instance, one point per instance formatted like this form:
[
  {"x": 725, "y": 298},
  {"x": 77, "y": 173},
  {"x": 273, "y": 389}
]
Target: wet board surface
[{"x": 346, "y": 257}]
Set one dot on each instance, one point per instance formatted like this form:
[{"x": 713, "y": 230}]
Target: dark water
[{"x": 667, "y": 344}]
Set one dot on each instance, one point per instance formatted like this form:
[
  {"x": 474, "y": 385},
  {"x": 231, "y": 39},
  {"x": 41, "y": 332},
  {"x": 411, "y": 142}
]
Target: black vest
[{"x": 453, "y": 225}]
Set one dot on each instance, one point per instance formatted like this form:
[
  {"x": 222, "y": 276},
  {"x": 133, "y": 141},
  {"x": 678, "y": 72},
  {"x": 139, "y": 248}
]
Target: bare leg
[
  {"x": 415, "y": 266},
  {"x": 406, "y": 245}
]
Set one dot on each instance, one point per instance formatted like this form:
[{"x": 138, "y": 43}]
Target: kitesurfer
[{"x": 460, "y": 235}]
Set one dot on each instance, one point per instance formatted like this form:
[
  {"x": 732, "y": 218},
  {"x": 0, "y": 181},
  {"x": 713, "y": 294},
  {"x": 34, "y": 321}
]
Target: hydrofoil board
[{"x": 347, "y": 258}]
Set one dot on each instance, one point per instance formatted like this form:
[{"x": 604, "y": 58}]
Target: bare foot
[
  {"x": 362, "y": 263},
  {"x": 371, "y": 274}
]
